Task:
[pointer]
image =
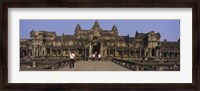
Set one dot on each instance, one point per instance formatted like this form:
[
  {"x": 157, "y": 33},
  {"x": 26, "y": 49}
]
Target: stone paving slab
[{"x": 94, "y": 66}]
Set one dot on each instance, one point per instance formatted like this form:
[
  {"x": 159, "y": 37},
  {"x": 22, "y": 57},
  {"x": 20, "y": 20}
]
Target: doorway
[
  {"x": 153, "y": 52},
  {"x": 96, "y": 48}
]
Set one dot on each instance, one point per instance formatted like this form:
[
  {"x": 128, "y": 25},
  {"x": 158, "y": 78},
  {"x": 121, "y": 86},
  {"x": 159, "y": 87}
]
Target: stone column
[
  {"x": 36, "y": 51},
  {"x": 108, "y": 52},
  {"x": 101, "y": 50},
  {"x": 65, "y": 52},
  {"x": 50, "y": 52},
  {"x": 29, "y": 52},
  {"x": 157, "y": 53},
  {"x": 45, "y": 51},
  {"x": 39, "y": 51},
  {"x": 62, "y": 53},
  {"x": 32, "y": 50},
  {"x": 150, "y": 51},
  {"x": 105, "y": 54},
  {"x": 90, "y": 49},
  {"x": 26, "y": 52},
  {"x": 160, "y": 54},
  {"x": 56, "y": 52}
]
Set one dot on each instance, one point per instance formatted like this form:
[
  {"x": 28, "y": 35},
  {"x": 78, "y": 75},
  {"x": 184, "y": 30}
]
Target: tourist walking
[
  {"x": 99, "y": 57},
  {"x": 93, "y": 56},
  {"x": 72, "y": 59}
]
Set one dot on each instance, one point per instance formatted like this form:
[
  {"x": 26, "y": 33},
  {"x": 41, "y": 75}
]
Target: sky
[{"x": 169, "y": 29}]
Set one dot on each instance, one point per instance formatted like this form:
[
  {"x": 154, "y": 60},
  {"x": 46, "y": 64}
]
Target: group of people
[
  {"x": 94, "y": 56},
  {"x": 72, "y": 58}
]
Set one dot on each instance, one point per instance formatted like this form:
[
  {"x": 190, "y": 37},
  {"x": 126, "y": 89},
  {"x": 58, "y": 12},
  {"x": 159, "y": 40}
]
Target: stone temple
[{"x": 144, "y": 46}]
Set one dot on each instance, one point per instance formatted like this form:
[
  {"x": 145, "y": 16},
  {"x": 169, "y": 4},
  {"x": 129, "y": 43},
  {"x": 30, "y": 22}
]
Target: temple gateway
[{"x": 144, "y": 46}]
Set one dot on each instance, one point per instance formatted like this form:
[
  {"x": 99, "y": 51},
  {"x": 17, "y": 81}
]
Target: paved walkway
[{"x": 95, "y": 66}]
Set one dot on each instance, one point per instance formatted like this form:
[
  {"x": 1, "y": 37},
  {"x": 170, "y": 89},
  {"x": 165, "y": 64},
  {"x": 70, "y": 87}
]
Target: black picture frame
[{"x": 194, "y": 4}]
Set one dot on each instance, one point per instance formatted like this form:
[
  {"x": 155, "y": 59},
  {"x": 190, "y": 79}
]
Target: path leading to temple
[{"x": 94, "y": 66}]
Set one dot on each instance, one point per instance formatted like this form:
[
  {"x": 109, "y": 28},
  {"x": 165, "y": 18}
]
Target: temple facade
[{"x": 144, "y": 46}]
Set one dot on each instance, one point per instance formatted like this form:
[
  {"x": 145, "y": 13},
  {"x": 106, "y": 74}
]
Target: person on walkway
[
  {"x": 96, "y": 56},
  {"x": 72, "y": 59},
  {"x": 93, "y": 56},
  {"x": 99, "y": 57}
]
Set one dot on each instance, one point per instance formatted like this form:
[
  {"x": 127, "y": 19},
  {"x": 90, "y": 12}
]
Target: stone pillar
[
  {"x": 101, "y": 50},
  {"x": 105, "y": 52},
  {"x": 160, "y": 54},
  {"x": 109, "y": 52},
  {"x": 45, "y": 51},
  {"x": 157, "y": 53},
  {"x": 29, "y": 53},
  {"x": 56, "y": 52},
  {"x": 140, "y": 53},
  {"x": 32, "y": 50},
  {"x": 39, "y": 51},
  {"x": 36, "y": 51},
  {"x": 90, "y": 49},
  {"x": 150, "y": 51},
  {"x": 26, "y": 52},
  {"x": 62, "y": 52},
  {"x": 50, "y": 52}
]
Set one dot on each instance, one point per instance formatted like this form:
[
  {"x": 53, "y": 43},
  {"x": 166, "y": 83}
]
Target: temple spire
[
  {"x": 96, "y": 24},
  {"x": 78, "y": 27},
  {"x": 136, "y": 33},
  {"x": 114, "y": 29}
]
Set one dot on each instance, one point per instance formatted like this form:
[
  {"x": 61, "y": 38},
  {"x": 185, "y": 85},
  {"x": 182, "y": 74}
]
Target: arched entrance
[{"x": 96, "y": 48}]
